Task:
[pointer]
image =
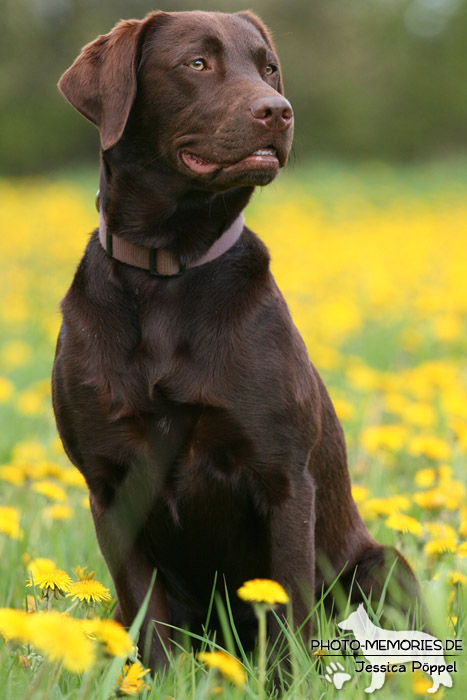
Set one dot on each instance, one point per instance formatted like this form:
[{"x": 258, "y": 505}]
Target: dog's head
[
  {"x": 200, "y": 93},
  {"x": 357, "y": 622}
]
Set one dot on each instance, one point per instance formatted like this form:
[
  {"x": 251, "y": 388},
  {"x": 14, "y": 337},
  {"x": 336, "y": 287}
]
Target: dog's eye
[
  {"x": 270, "y": 69},
  {"x": 197, "y": 64}
]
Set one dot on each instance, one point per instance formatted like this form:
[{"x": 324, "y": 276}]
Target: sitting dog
[{"x": 181, "y": 388}]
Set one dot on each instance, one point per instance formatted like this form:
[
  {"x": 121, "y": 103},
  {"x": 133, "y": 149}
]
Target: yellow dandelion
[
  {"x": 457, "y": 577},
  {"x": 421, "y": 683},
  {"x": 89, "y": 591},
  {"x": 463, "y": 528},
  {"x": 344, "y": 409},
  {"x": 320, "y": 653},
  {"x": 28, "y": 451},
  {"x": 6, "y": 389},
  {"x": 13, "y": 473},
  {"x": 9, "y": 522},
  {"x": 389, "y": 437},
  {"x": 448, "y": 327},
  {"x": 429, "y": 446},
  {"x": 61, "y": 639},
  {"x": 263, "y": 590},
  {"x": 404, "y": 523},
  {"x": 228, "y": 665},
  {"x": 441, "y": 530},
  {"x": 395, "y": 403},
  {"x": 360, "y": 493},
  {"x": 51, "y": 490},
  {"x": 440, "y": 545},
  {"x": 111, "y": 634},
  {"x": 30, "y": 402},
  {"x": 131, "y": 682},
  {"x": 15, "y": 353},
  {"x": 81, "y": 573},
  {"x": 14, "y": 625},
  {"x": 72, "y": 477},
  {"x": 40, "y": 564},
  {"x": 454, "y": 494},
  {"x": 44, "y": 468},
  {"x": 430, "y": 500},
  {"x": 384, "y": 506},
  {"x": 420, "y": 414},
  {"x": 59, "y": 511},
  {"x": 425, "y": 477},
  {"x": 462, "y": 550},
  {"x": 51, "y": 582}
]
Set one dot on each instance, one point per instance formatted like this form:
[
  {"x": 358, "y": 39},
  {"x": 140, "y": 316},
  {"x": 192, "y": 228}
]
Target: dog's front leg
[
  {"x": 292, "y": 551},
  {"x": 132, "y": 575}
]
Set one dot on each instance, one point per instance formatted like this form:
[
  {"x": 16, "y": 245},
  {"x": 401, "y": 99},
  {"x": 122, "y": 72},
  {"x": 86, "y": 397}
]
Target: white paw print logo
[{"x": 336, "y": 675}]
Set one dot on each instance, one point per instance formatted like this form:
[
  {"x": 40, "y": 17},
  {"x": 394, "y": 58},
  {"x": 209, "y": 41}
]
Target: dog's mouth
[{"x": 262, "y": 159}]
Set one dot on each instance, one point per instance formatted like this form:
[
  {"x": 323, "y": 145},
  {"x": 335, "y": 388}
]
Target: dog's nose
[{"x": 274, "y": 112}]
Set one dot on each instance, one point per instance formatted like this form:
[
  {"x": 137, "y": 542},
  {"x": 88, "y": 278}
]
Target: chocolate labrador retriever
[{"x": 182, "y": 389}]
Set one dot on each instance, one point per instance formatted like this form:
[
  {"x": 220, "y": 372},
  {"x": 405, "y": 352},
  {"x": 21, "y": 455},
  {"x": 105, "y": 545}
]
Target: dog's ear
[
  {"x": 265, "y": 33},
  {"x": 101, "y": 83}
]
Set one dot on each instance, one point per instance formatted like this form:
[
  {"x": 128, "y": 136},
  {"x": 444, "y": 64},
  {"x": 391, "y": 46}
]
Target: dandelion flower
[
  {"x": 430, "y": 500},
  {"x": 30, "y": 402},
  {"x": 457, "y": 577},
  {"x": 50, "y": 490},
  {"x": 360, "y": 493},
  {"x": 344, "y": 409},
  {"x": 14, "y": 624},
  {"x": 41, "y": 564},
  {"x": 404, "y": 523},
  {"x": 61, "y": 639},
  {"x": 442, "y": 530},
  {"x": 115, "y": 638},
  {"x": 58, "y": 511},
  {"x": 81, "y": 574},
  {"x": 89, "y": 591},
  {"x": 12, "y": 473},
  {"x": 420, "y": 683},
  {"x": 228, "y": 665},
  {"x": 463, "y": 528},
  {"x": 429, "y": 446},
  {"x": 390, "y": 437},
  {"x": 131, "y": 682},
  {"x": 440, "y": 545},
  {"x": 15, "y": 353},
  {"x": 263, "y": 590},
  {"x": 6, "y": 389},
  {"x": 72, "y": 477},
  {"x": 9, "y": 522},
  {"x": 384, "y": 506},
  {"x": 425, "y": 477},
  {"x": 28, "y": 451},
  {"x": 51, "y": 582}
]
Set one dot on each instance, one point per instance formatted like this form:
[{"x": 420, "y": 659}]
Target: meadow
[{"x": 372, "y": 260}]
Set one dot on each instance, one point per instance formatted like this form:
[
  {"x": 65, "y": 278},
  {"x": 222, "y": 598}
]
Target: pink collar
[{"x": 161, "y": 262}]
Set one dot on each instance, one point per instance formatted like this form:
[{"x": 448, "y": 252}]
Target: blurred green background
[{"x": 368, "y": 79}]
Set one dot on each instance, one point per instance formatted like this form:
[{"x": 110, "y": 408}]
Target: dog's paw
[{"x": 336, "y": 675}]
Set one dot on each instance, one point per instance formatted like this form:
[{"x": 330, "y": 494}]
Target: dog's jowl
[{"x": 182, "y": 389}]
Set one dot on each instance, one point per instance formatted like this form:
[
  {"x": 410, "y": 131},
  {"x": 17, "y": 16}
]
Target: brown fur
[{"x": 206, "y": 437}]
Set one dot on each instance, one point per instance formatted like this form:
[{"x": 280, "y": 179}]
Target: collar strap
[{"x": 161, "y": 262}]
